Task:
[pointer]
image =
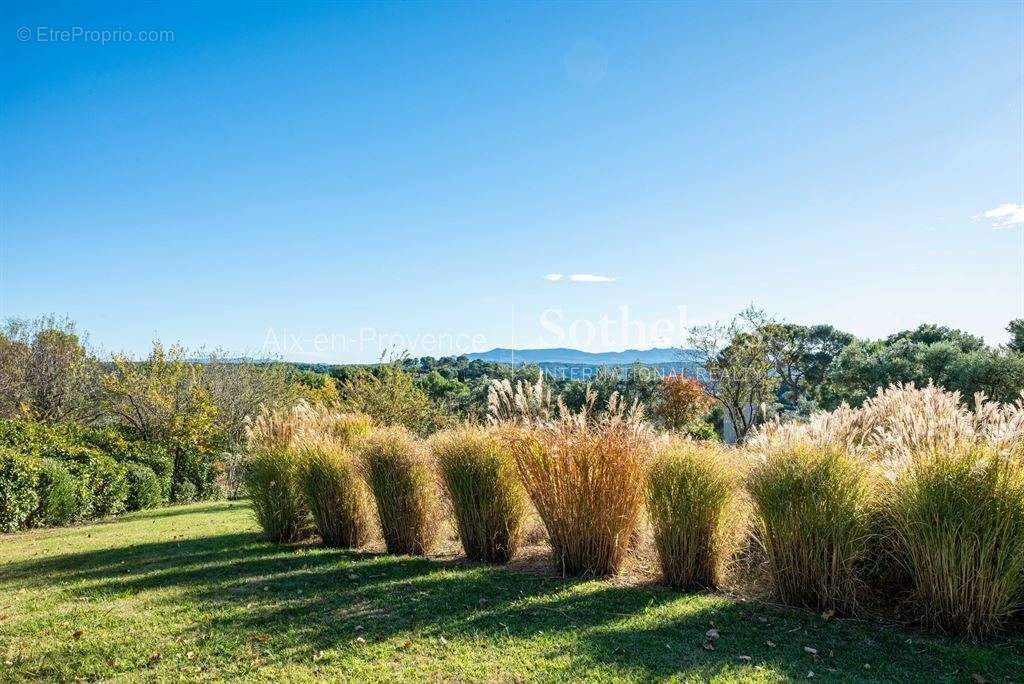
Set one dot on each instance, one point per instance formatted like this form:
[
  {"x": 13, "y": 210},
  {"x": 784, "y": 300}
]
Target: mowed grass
[{"x": 193, "y": 593}]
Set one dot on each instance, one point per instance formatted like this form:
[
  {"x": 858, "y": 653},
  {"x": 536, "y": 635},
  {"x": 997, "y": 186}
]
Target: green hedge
[
  {"x": 18, "y": 497},
  {"x": 60, "y": 495},
  {"x": 144, "y": 490},
  {"x": 61, "y": 474}
]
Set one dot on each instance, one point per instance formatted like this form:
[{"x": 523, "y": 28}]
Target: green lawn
[{"x": 193, "y": 593}]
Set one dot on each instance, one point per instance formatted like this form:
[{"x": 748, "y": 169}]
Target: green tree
[
  {"x": 162, "y": 400},
  {"x": 1016, "y": 330},
  {"x": 388, "y": 394},
  {"x": 741, "y": 376}
]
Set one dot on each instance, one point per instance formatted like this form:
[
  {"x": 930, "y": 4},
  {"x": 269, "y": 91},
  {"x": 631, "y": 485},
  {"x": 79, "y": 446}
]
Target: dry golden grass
[{"x": 585, "y": 473}]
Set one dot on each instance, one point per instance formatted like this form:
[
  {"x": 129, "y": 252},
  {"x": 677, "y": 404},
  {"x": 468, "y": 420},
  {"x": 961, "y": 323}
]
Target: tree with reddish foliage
[{"x": 681, "y": 401}]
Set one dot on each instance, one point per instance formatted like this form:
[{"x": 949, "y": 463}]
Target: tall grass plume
[
  {"x": 694, "y": 507},
  {"x": 957, "y": 517},
  {"x": 396, "y": 468},
  {"x": 814, "y": 515},
  {"x": 585, "y": 473},
  {"x": 333, "y": 490},
  {"x": 482, "y": 484}
]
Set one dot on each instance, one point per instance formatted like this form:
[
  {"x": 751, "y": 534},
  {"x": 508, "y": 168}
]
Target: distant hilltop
[{"x": 562, "y": 355}]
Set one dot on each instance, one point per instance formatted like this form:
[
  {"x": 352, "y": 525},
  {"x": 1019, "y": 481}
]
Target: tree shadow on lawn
[{"x": 305, "y": 599}]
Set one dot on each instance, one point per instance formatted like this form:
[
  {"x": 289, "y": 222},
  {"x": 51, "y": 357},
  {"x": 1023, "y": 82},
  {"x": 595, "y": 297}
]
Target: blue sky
[{"x": 377, "y": 174}]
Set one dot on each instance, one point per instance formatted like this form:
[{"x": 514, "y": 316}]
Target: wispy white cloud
[
  {"x": 1006, "y": 215},
  {"x": 553, "y": 277},
  {"x": 590, "y": 278}
]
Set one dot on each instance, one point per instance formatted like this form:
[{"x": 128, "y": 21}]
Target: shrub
[
  {"x": 389, "y": 395},
  {"x": 334, "y": 493},
  {"x": 957, "y": 519},
  {"x": 105, "y": 479},
  {"x": 18, "y": 497},
  {"x": 814, "y": 517},
  {"x": 144, "y": 489},
  {"x": 692, "y": 506},
  {"x": 396, "y": 469},
  {"x": 59, "y": 495},
  {"x": 701, "y": 431},
  {"x": 271, "y": 478},
  {"x": 585, "y": 476},
  {"x": 184, "y": 492},
  {"x": 480, "y": 478}
]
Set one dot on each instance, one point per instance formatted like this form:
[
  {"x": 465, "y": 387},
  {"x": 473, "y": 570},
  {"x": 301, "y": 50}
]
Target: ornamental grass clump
[
  {"x": 957, "y": 519},
  {"x": 333, "y": 491},
  {"x": 397, "y": 470},
  {"x": 482, "y": 484},
  {"x": 814, "y": 514},
  {"x": 272, "y": 481},
  {"x": 585, "y": 473},
  {"x": 694, "y": 509}
]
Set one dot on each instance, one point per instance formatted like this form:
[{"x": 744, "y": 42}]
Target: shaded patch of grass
[{"x": 200, "y": 595}]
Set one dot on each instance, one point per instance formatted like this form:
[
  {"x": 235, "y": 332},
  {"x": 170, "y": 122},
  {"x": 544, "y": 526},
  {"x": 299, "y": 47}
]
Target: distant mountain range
[{"x": 562, "y": 355}]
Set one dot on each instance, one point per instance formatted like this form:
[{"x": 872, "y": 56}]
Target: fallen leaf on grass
[
  {"x": 712, "y": 634},
  {"x": 745, "y": 658},
  {"x": 770, "y": 644},
  {"x": 827, "y": 615},
  {"x": 709, "y": 646},
  {"x": 77, "y": 634},
  {"x": 978, "y": 679},
  {"x": 812, "y": 651}
]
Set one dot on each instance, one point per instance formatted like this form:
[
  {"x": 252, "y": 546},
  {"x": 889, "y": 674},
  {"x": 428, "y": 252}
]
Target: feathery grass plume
[
  {"x": 271, "y": 479},
  {"x": 334, "y": 492},
  {"x": 902, "y": 420},
  {"x": 957, "y": 517},
  {"x": 525, "y": 403},
  {"x": 482, "y": 483},
  {"x": 694, "y": 507},
  {"x": 814, "y": 513},
  {"x": 396, "y": 469},
  {"x": 585, "y": 473}
]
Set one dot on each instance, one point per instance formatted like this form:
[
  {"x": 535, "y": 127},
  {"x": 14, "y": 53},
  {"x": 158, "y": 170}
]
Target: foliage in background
[
  {"x": 740, "y": 375},
  {"x": 239, "y": 389},
  {"x": 487, "y": 499},
  {"x": 682, "y": 401},
  {"x": 46, "y": 372},
  {"x": 162, "y": 400},
  {"x": 388, "y": 394}
]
